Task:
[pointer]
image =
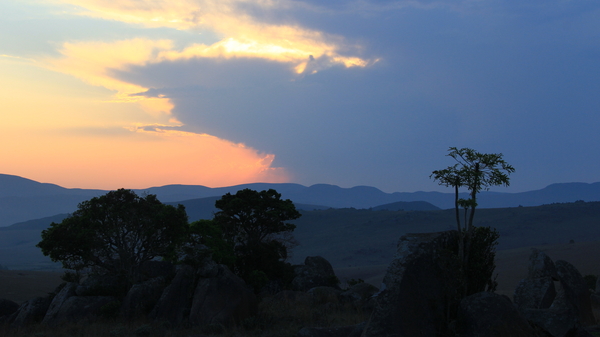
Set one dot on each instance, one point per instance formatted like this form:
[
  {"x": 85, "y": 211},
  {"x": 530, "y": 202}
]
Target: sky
[{"x": 140, "y": 93}]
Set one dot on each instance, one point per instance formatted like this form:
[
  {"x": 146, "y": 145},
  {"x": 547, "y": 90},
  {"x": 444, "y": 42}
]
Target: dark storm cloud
[{"x": 514, "y": 77}]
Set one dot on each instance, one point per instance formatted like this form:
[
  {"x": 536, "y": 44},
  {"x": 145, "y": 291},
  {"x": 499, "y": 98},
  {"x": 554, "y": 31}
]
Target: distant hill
[
  {"x": 406, "y": 206},
  {"x": 37, "y": 224},
  {"x": 24, "y": 199}
]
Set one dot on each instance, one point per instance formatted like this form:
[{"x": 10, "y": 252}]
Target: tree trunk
[{"x": 461, "y": 245}]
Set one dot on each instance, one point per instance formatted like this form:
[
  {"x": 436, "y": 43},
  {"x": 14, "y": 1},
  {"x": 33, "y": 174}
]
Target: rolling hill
[{"x": 24, "y": 199}]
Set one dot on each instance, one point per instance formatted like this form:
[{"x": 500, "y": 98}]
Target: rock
[
  {"x": 153, "y": 269},
  {"x": 222, "y": 298},
  {"x": 322, "y": 295},
  {"x": 142, "y": 298},
  {"x": 78, "y": 308},
  {"x": 486, "y": 314},
  {"x": 7, "y": 307},
  {"x": 342, "y": 331},
  {"x": 361, "y": 295},
  {"x": 65, "y": 293},
  {"x": 595, "y": 298},
  {"x": 32, "y": 311},
  {"x": 569, "y": 298},
  {"x": 175, "y": 302},
  {"x": 315, "y": 272},
  {"x": 540, "y": 265},
  {"x": 290, "y": 296},
  {"x": 535, "y": 293},
  {"x": 413, "y": 300},
  {"x": 102, "y": 285},
  {"x": 573, "y": 293},
  {"x": 557, "y": 322}
]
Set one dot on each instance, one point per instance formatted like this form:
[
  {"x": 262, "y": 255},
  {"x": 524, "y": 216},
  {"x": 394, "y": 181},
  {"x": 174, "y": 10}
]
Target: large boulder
[
  {"x": 414, "y": 295},
  {"x": 573, "y": 293},
  {"x": 541, "y": 265},
  {"x": 315, "y": 272},
  {"x": 175, "y": 301},
  {"x": 487, "y": 314},
  {"x": 557, "y": 322},
  {"x": 361, "y": 295},
  {"x": 153, "y": 269},
  {"x": 31, "y": 311},
  {"x": 102, "y": 285},
  {"x": 78, "y": 308},
  {"x": 535, "y": 293},
  {"x": 323, "y": 295},
  {"x": 63, "y": 295},
  {"x": 554, "y": 297},
  {"x": 7, "y": 307},
  {"x": 142, "y": 298},
  {"x": 221, "y": 298}
]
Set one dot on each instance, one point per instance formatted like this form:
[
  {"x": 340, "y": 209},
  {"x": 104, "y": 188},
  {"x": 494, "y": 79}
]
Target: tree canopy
[
  {"x": 475, "y": 171},
  {"x": 254, "y": 224},
  {"x": 116, "y": 233}
]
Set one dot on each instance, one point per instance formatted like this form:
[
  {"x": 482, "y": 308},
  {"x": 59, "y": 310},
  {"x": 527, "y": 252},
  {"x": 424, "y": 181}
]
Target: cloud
[
  {"x": 243, "y": 37},
  {"x": 242, "y": 34}
]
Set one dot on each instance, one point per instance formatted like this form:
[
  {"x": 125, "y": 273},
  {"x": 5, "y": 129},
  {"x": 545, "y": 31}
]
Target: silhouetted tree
[
  {"x": 254, "y": 225},
  {"x": 116, "y": 233},
  {"x": 475, "y": 171}
]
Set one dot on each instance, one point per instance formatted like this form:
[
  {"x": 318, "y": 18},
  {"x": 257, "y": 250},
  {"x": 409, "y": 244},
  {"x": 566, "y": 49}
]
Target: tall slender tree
[{"x": 475, "y": 171}]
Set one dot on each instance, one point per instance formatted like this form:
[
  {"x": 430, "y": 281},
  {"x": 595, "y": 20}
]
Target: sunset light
[{"x": 138, "y": 93}]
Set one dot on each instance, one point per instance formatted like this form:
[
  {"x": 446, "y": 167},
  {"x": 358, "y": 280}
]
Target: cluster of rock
[
  {"x": 416, "y": 298},
  {"x": 554, "y": 297},
  {"x": 210, "y": 295},
  {"x": 553, "y": 301}
]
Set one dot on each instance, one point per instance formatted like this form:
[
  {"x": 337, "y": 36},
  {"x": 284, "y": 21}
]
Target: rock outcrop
[
  {"x": 361, "y": 295},
  {"x": 315, "y": 272},
  {"x": 573, "y": 293},
  {"x": 78, "y": 308},
  {"x": 221, "y": 298},
  {"x": 554, "y": 297},
  {"x": 487, "y": 314},
  {"x": 7, "y": 307},
  {"x": 31, "y": 311},
  {"x": 413, "y": 299},
  {"x": 68, "y": 291},
  {"x": 176, "y": 300},
  {"x": 142, "y": 297}
]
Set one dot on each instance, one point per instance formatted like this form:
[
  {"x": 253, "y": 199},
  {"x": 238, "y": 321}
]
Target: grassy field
[{"x": 22, "y": 285}]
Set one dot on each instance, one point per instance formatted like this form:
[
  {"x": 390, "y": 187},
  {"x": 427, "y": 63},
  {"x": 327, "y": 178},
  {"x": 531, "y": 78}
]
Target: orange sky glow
[{"x": 86, "y": 127}]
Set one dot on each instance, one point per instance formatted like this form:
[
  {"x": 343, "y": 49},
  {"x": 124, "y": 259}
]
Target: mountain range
[{"x": 23, "y": 199}]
